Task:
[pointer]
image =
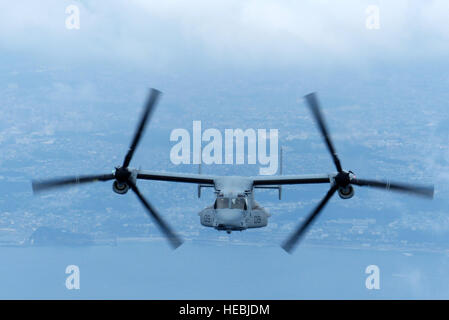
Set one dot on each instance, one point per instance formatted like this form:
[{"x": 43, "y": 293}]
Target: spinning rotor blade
[
  {"x": 312, "y": 101},
  {"x": 425, "y": 191},
  {"x": 168, "y": 232},
  {"x": 154, "y": 95},
  {"x": 291, "y": 242},
  {"x": 42, "y": 185}
]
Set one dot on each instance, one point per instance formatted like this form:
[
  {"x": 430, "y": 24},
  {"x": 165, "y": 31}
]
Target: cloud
[
  {"x": 436, "y": 223},
  {"x": 260, "y": 33}
]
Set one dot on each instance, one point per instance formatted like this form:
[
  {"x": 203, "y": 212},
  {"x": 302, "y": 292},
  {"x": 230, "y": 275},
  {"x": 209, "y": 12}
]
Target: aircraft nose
[{"x": 230, "y": 217}]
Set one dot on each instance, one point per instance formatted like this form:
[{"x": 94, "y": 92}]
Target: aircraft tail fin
[
  {"x": 281, "y": 165},
  {"x": 199, "y": 172},
  {"x": 200, "y": 186},
  {"x": 278, "y": 187}
]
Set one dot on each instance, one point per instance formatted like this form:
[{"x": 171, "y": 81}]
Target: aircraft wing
[
  {"x": 176, "y": 177},
  {"x": 290, "y": 179},
  {"x": 209, "y": 179}
]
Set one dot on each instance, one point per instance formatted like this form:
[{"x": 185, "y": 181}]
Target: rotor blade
[
  {"x": 421, "y": 190},
  {"x": 291, "y": 242},
  {"x": 149, "y": 107},
  {"x": 312, "y": 101},
  {"x": 168, "y": 232},
  {"x": 42, "y": 185}
]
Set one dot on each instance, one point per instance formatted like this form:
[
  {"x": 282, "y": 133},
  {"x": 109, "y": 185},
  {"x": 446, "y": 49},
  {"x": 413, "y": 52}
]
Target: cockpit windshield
[
  {"x": 222, "y": 203},
  {"x": 233, "y": 203},
  {"x": 238, "y": 203}
]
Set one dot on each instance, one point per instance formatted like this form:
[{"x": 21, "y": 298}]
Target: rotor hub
[
  {"x": 122, "y": 175},
  {"x": 343, "y": 178}
]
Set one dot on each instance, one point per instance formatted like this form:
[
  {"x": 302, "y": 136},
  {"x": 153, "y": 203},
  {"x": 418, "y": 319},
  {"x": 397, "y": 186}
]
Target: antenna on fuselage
[
  {"x": 281, "y": 150},
  {"x": 199, "y": 169}
]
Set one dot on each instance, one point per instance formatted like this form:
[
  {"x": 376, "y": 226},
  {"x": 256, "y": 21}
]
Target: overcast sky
[{"x": 159, "y": 34}]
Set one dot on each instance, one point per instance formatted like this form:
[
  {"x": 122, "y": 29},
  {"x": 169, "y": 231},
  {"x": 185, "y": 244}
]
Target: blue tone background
[{"x": 70, "y": 100}]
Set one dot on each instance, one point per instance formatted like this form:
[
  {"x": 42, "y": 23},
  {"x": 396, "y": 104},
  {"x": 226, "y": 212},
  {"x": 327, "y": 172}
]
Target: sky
[
  {"x": 175, "y": 34},
  {"x": 71, "y": 98}
]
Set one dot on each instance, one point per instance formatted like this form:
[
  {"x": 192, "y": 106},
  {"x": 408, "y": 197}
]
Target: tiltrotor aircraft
[{"x": 235, "y": 207}]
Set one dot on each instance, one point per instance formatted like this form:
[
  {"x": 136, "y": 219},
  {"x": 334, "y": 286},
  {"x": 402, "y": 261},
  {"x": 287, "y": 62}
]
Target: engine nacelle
[
  {"x": 346, "y": 192},
  {"x": 120, "y": 188}
]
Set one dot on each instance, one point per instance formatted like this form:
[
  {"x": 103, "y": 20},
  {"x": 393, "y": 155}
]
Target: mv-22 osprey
[{"x": 234, "y": 207}]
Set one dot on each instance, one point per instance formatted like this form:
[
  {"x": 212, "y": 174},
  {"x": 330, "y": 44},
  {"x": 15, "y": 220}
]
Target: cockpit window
[
  {"x": 233, "y": 203},
  {"x": 238, "y": 203},
  {"x": 222, "y": 203}
]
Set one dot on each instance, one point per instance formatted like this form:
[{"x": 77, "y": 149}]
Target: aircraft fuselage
[{"x": 234, "y": 212}]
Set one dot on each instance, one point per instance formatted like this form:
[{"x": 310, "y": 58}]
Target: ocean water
[{"x": 215, "y": 270}]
